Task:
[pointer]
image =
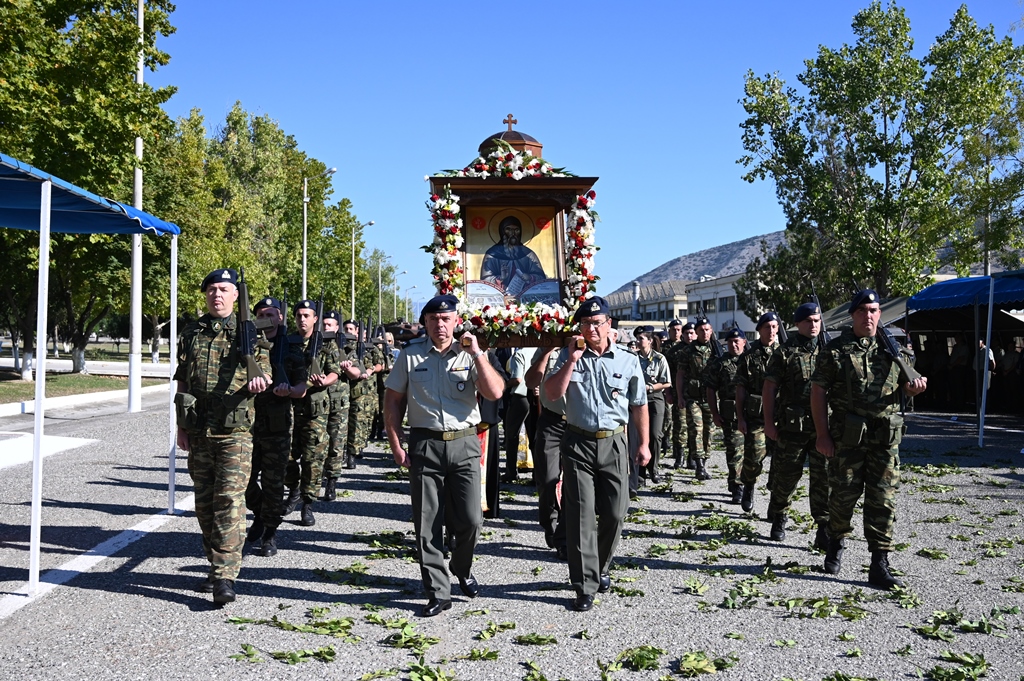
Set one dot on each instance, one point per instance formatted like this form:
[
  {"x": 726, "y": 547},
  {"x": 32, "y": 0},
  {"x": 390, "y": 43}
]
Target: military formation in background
[{"x": 272, "y": 419}]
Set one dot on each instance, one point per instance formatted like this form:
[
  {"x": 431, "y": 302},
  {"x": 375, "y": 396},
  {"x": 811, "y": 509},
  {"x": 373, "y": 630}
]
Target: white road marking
[
  {"x": 51, "y": 579},
  {"x": 16, "y": 447}
]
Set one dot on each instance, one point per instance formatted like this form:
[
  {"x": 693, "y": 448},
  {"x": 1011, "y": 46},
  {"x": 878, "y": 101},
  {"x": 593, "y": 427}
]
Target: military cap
[
  {"x": 700, "y": 320},
  {"x": 306, "y": 304},
  {"x": 688, "y": 326},
  {"x": 734, "y": 333},
  {"x": 770, "y": 316},
  {"x": 441, "y": 304},
  {"x": 662, "y": 335},
  {"x": 221, "y": 276},
  {"x": 862, "y": 297},
  {"x": 805, "y": 311},
  {"x": 648, "y": 329},
  {"x": 331, "y": 314},
  {"x": 266, "y": 302},
  {"x": 675, "y": 322},
  {"x": 590, "y": 308}
]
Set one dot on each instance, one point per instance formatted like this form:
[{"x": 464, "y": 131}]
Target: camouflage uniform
[
  {"x": 272, "y": 436},
  {"x": 693, "y": 359},
  {"x": 677, "y": 422},
  {"x": 719, "y": 375},
  {"x": 337, "y": 422},
  {"x": 363, "y": 405},
  {"x": 790, "y": 368},
  {"x": 310, "y": 440},
  {"x": 862, "y": 383},
  {"x": 377, "y": 430},
  {"x": 750, "y": 375},
  {"x": 217, "y": 412}
]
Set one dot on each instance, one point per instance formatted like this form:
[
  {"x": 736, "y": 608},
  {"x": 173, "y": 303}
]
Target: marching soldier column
[
  {"x": 719, "y": 379},
  {"x": 750, "y": 414}
]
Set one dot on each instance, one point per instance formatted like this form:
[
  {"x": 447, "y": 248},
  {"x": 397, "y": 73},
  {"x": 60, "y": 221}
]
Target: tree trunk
[
  {"x": 26, "y": 367},
  {"x": 14, "y": 352},
  {"x": 78, "y": 361}
]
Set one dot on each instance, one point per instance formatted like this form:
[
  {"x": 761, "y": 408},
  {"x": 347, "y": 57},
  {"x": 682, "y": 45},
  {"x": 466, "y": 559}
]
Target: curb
[{"x": 29, "y": 407}]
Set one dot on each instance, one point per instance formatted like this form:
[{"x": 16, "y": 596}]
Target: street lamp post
[
  {"x": 407, "y": 304},
  {"x": 368, "y": 224},
  {"x": 305, "y": 206},
  {"x": 394, "y": 303},
  {"x": 380, "y": 261}
]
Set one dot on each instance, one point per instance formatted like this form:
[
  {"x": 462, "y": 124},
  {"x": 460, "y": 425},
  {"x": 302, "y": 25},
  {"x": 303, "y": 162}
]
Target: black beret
[
  {"x": 675, "y": 322},
  {"x": 734, "y": 333},
  {"x": 770, "y": 316},
  {"x": 441, "y": 304},
  {"x": 591, "y": 308},
  {"x": 700, "y": 321},
  {"x": 331, "y": 314},
  {"x": 861, "y": 297},
  {"x": 688, "y": 326},
  {"x": 226, "y": 276},
  {"x": 643, "y": 329},
  {"x": 306, "y": 304},
  {"x": 805, "y": 311},
  {"x": 662, "y": 335},
  {"x": 266, "y": 302}
]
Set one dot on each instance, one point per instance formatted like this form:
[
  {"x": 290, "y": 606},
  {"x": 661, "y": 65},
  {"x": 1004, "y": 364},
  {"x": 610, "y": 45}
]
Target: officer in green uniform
[
  {"x": 749, "y": 409},
  {"x": 339, "y": 392},
  {"x": 603, "y": 386},
  {"x": 363, "y": 395},
  {"x": 692, "y": 360},
  {"x": 719, "y": 379},
  {"x": 788, "y": 422},
  {"x": 437, "y": 378},
  {"x": 547, "y": 463},
  {"x": 658, "y": 378},
  {"x": 214, "y": 411},
  {"x": 272, "y": 431},
  {"x": 310, "y": 440},
  {"x": 861, "y": 382},
  {"x": 680, "y": 430}
]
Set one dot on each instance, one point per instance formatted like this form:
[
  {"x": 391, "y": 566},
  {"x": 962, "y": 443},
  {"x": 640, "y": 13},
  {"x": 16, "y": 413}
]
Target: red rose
[
  {"x": 486, "y": 308},
  {"x": 434, "y": 197},
  {"x": 509, "y": 157},
  {"x": 476, "y": 321},
  {"x": 592, "y": 194}
]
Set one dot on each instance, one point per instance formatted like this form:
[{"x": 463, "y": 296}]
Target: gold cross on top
[{"x": 510, "y": 121}]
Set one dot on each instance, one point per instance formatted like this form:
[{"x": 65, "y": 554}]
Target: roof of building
[
  {"x": 720, "y": 261},
  {"x": 662, "y": 290}
]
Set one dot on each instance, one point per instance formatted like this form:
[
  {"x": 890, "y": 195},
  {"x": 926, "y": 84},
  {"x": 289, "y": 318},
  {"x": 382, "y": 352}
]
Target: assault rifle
[
  {"x": 826, "y": 337},
  {"x": 247, "y": 331},
  {"x": 280, "y": 350},
  {"x": 908, "y": 373},
  {"x": 316, "y": 341},
  {"x": 716, "y": 347}
]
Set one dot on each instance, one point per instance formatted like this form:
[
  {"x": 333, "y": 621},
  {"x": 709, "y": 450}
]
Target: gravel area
[{"x": 694, "y": 577}]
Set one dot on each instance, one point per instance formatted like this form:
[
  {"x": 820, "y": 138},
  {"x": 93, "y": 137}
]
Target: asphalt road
[{"x": 690, "y": 578}]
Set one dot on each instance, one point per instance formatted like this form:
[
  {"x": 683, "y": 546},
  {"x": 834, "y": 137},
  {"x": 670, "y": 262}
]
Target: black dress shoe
[
  {"x": 562, "y": 552},
  {"x": 205, "y": 586},
  {"x": 583, "y": 603},
  {"x": 435, "y": 607},
  {"x": 256, "y": 531},
  {"x": 469, "y": 586},
  {"x": 307, "y": 519},
  {"x": 605, "y": 584},
  {"x": 223, "y": 591}
]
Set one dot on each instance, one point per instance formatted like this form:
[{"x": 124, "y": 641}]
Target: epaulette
[{"x": 418, "y": 339}]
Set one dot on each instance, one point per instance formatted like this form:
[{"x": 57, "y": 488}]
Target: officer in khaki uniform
[
  {"x": 749, "y": 408},
  {"x": 861, "y": 382},
  {"x": 547, "y": 441},
  {"x": 787, "y": 409},
  {"x": 272, "y": 431},
  {"x": 340, "y": 394},
  {"x": 603, "y": 386},
  {"x": 438, "y": 379},
  {"x": 719, "y": 379},
  {"x": 214, "y": 411},
  {"x": 658, "y": 378},
  {"x": 692, "y": 360}
]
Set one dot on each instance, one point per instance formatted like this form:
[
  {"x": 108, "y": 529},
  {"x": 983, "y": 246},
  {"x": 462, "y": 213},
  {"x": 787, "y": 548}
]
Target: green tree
[{"x": 871, "y": 161}]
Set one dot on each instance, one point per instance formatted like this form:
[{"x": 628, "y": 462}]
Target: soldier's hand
[
  {"x": 401, "y": 457},
  {"x": 282, "y": 390},
  {"x": 741, "y": 425},
  {"x": 470, "y": 343},
  {"x": 717, "y": 418},
  {"x": 183, "y": 441},
  {"x": 824, "y": 444},
  {"x": 643, "y": 455},
  {"x": 346, "y": 364},
  {"x": 317, "y": 380},
  {"x": 575, "y": 351},
  {"x": 915, "y": 387},
  {"x": 771, "y": 431},
  {"x": 257, "y": 385}
]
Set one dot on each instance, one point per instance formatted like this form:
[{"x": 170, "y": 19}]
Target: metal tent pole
[
  {"x": 172, "y": 345},
  {"x": 40, "y": 407}
]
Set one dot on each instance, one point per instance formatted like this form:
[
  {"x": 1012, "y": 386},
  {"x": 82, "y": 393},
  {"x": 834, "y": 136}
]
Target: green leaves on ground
[
  {"x": 641, "y": 657},
  {"x": 421, "y": 671},
  {"x": 970, "y": 667},
  {"x": 492, "y": 629},
  {"x": 338, "y": 628},
  {"x": 535, "y": 640},
  {"x": 249, "y": 653},
  {"x": 325, "y": 654},
  {"x": 697, "y": 662},
  {"x": 409, "y": 638}
]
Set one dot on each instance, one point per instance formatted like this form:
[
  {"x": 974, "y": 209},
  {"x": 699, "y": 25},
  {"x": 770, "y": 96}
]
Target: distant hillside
[{"x": 720, "y": 261}]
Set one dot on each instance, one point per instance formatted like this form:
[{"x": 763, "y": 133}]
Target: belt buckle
[{"x": 448, "y": 435}]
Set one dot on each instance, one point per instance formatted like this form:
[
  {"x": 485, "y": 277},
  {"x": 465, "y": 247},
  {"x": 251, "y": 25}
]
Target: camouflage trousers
[
  {"x": 698, "y": 421},
  {"x": 310, "y": 443},
  {"x": 679, "y": 429},
  {"x": 337, "y": 431},
  {"x": 733, "y": 451},
  {"x": 875, "y": 473},
  {"x": 360, "y": 419},
  {"x": 791, "y": 452},
  {"x": 265, "y": 494},
  {"x": 219, "y": 467},
  {"x": 754, "y": 452}
]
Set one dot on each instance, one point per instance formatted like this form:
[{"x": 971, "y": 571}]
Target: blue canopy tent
[
  {"x": 1003, "y": 291},
  {"x": 31, "y": 199}
]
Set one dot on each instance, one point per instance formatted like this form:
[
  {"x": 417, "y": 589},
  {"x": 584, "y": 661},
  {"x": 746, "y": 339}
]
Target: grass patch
[{"x": 13, "y": 389}]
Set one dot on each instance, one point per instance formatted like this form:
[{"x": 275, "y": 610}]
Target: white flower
[
  {"x": 517, "y": 175},
  {"x": 458, "y": 241}
]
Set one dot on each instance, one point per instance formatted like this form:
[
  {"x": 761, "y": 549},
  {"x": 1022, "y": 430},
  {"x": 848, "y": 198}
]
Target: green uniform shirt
[
  {"x": 719, "y": 375},
  {"x": 692, "y": 360},
  {"x": 859, "y": 376},
  {"x": 790, "y": 368}
]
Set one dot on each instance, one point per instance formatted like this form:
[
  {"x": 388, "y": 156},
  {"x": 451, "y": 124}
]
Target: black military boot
[
  {"x": 834, "y": 555},
  {"x": 701, "y": 471},
  {"x": 677, "y": 456},
  {"x": 737, "y": 492},
  {"x": 330, "y": 493},
  {"x": 293, "y": 500},
  {"x": 256, "y": 531},
  {"x": 206, "y": 586},
  {"x": 223, "y": 591},
  {"x": 691, "y": 462},
  {"x": 821, "y": 538},
  {"x": 778, "y": 531},
  {"x": 747, "y": 502},
  {"x": 879, "y": 574},
  {"x": 306, "y": 518},
  {"x": 350, "y": 462},
  {"x": 269, "y": 546}
]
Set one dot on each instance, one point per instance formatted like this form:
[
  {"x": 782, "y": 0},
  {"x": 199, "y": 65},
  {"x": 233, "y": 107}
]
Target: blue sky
[{"x": 642, "y": 94}]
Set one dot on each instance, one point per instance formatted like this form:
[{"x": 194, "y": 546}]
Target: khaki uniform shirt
[{"x": 440, "y": 387}]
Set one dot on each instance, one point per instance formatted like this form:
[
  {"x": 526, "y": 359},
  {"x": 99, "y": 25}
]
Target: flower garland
[
  {"x": 447, "y": 270},
  {"x": 505, "y": 161},
  {"x": 579, "y": 250},
  {"x": 531, "y": 319}
]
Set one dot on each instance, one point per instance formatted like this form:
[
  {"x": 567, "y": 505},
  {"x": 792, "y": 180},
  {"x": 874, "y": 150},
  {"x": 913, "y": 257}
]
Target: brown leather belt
[
  {"x": 445, "y": 435},
  {"x": 596, "y": 434}
]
